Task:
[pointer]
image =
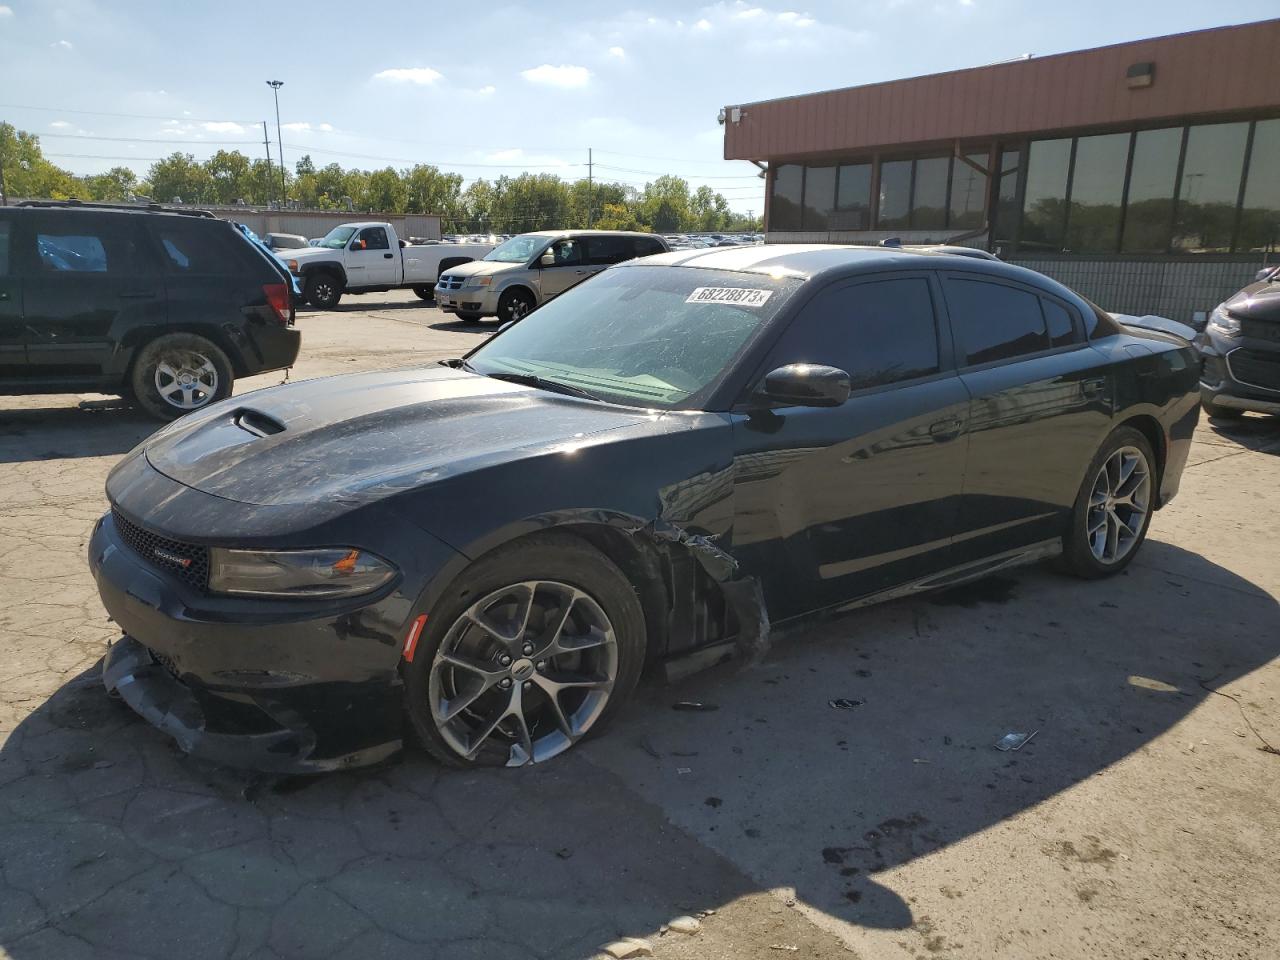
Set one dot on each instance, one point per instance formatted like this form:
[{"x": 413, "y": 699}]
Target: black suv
[
  {"x": 163, "y": 306},
  {"x": 1240, "y": 351}
]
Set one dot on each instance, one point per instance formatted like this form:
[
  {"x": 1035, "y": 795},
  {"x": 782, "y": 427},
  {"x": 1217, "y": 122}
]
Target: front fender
[{"x": 335, "y": 267}]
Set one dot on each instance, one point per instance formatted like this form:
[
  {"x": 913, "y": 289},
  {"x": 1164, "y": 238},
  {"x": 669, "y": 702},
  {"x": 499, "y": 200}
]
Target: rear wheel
[
  {"x": 425, "y": 293},
  {"x": 532, "y": 649},
  {"x": 178, "y": 373},
  {"x": 1219, "y": 412},
  {"x": 323, "y": 290},
  {"x": 514, "y": 305},
  {"x": 1113, "y": 509}
]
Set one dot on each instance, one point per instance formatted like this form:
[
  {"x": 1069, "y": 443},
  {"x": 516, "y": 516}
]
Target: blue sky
[{"x": 492, "y": 88}]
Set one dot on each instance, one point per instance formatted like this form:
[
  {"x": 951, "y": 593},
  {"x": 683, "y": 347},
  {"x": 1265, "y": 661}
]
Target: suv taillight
[{"x": 279, "y": 301}]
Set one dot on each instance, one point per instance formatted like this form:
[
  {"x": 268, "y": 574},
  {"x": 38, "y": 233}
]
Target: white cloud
[
  {"x": 5, "y": 11},
  {"x": 296, "y": 126},
  {"x": 799, "y": 19},
  {"x": 502, "y": 156},
  {"x": 61, "y": 45},
  {"x": 749, "y": 13},
  {"x": 617, "y": 52},
  {"x": 222, "y": 126},
  {"x": 421, "y": 76},
  {"x": 487, "y": 90},
  {"x": 703, "y": 24},
  {"x": 325, "y": 128},
  {"x": 565, "y": 75},
  {"x": 60, "y": 125}
]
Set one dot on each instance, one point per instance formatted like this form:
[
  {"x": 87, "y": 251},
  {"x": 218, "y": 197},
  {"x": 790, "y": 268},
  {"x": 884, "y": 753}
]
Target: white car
[{"x": 368, "y": 257}]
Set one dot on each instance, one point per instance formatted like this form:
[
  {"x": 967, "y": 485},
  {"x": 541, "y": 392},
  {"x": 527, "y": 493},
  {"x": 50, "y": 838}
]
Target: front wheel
[
  {"x": 514, "y": 305},
  {"x": 179, "y": 373},
  {"x": 1113, "y": 509},
  {"x": 425, "y": 293},
  {"x": 533, "y": 648},
  {"x": 323, "y": 290}
]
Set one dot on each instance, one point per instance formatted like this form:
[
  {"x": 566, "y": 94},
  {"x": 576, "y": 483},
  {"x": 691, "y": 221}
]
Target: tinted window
[
  {"x": 1149, "y": 212},
  {"x": 1210, "y": 187},
  {"x": 198, "y": 247},
  {"x": 895, "y": 194},
  {"x": 819, "y": 197},
  {"x": 86, "y": 245},
  {"x": 607, "y": 250},
  {"x": 1058, "y": 320},
  {"x": 1044, "y": 205},
  {"x": 993, "y": 322},
  {"x": 1007, "y": 200},
  {"x": 4, "y": 248},
  {"x": 784, "y": 205},
  {"x": 646, "y": 247},
  {"x": 968, "y": 191},
  {"x": 1097, "y": 187},
  {"x": 375, "y": 238},
  {"x": 929, "y": 197},
  {"x": 568, "y": 252},
  {"x": 879, "y": 332},
  {"x": 1260, "y": 218},
  {"x": 853, "y": 198}
]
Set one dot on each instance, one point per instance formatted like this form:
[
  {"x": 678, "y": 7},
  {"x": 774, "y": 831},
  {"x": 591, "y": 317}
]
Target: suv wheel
[
  {"x": 425, "y": 293},
  {"x": 514, "y": 305},
  {"x": 179, "y": 373},
  {"x": 323, "y": 290},
  {"x": 1113, "y": 508}
]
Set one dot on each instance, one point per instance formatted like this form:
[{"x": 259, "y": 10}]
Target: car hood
[
  {"x": 366, "y": 436},
  {"x": 1258, "y": 301},
  {"x": 309, "y": 253},
  {"x": 483, "y": 268}
]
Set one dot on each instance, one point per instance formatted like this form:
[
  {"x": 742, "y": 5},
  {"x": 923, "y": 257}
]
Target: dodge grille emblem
[{"x": 168, "y": 557}]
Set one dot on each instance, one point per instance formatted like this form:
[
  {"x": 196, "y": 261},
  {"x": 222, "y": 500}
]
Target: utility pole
[
  {"x": 591, "y": 189},
  {"x": 275, "y": 86},
  {"x": 271, "y": 176}
]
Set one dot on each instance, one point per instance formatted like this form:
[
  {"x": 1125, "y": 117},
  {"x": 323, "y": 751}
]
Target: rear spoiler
[{"x": 1152, "y": 322}]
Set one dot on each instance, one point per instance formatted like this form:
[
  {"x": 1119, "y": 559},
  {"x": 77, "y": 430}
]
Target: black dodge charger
[{"x": 647, "y": 472}]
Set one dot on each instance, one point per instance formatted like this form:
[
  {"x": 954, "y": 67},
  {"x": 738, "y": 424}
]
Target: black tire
[
  {"x": 469, "y": 317},
  {"x": 514, "y": 305},
  {"x": 425, "y": 293},
  {"x": 1079, "y": 556},
  {"x": 188, "y": 356},
  {"x": 323, "y": 290},
  {"x": 1219, "y": 412},
  {"x": 563, "y": 559}
]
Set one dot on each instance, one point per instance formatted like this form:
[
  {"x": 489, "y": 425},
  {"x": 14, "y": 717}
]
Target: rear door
[
  {"x": 13, "y": 351},
  {"x": 88, "y": 279},
  {"x": 835, "y": 504},
  {"x": 370, "y": 260},
  {"x": 1041, "y": 401}
]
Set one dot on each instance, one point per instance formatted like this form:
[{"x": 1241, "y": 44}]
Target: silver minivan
[{"x": 530, "y": 269}]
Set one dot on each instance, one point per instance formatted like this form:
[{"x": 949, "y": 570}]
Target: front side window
[
  {"x": 71, "y": 252},
  {"x": 374, "y": 238},
  {"x": 879, "y": 332},
  {"x": 991, "y": 321},
  {"x": 85, "y": 244},
  {"x": 567, "y": 252},
  {"x": 648, "y": 336}
]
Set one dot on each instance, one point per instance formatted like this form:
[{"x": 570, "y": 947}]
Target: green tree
[
  {"x": 179, "y": 177},
  {"x": 385, "y": 192},
  {"x": 304, "y": 166},
  {"x": 430, "y": 191},
  {"x": 665, "y": 205},
  {"x": 117, "y": 185},
  {"x": 26, "y": 171},
  {"x": 230, "y": 177}
]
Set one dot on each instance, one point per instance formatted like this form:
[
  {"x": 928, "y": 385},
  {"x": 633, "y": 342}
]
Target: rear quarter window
[{"x": 206, "y": 248}]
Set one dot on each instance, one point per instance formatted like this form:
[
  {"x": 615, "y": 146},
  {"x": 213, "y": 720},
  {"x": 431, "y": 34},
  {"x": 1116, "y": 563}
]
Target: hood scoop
[{"x": 257, "y": 423}]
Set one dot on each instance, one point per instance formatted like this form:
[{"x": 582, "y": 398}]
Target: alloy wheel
[
  {"x": 523, "y": 673},
  {"x": 519, "y": 309},
  {"x": 1118, "y": 505},
  {"x": 186, "y": 379}
]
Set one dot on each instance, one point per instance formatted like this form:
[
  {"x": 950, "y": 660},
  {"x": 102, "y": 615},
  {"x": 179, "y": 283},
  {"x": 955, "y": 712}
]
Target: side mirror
[
  {"x": 548, "y": 259},
  {"x": 806, "y": 385},
  {"x": 403, "y": 244},
  {"x": 359, "y": 245}
]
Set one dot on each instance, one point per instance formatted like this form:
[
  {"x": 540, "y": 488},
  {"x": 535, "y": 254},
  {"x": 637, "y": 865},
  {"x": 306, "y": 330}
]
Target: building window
[
  {"x": 853, "y": 198},
  {"x": 1005, "y": 232},
  {"x": 929, "y": 194},
  {"x": 1210, "y": 188},
  {"x": 895, "y": 195},
  {"x": 1097, "y": 192},
  {"x": 1148, "y": 216},
  {"x": 968, "y": 192},
  {"x": 819, "y": 197},
  {"x": 1044, "y": 205},
  {"x": 784, "y": 205},
  {"x": 1260, "y": 216}
]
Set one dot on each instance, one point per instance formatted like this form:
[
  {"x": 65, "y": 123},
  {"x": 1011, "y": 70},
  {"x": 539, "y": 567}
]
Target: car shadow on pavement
[
  {"x": 858, "y": 745},
  {"x": 89, "y": 428},
  {"x": 486, "y": 327},
  {"x": 364, "y": 304},
  {"x": 1258, "y": 432}
]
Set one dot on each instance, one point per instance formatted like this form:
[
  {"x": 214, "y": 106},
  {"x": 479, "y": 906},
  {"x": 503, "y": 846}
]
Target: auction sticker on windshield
[{"x": 736, "y": 295}]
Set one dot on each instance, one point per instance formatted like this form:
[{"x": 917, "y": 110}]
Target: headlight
[
  {"x": 1223, "y": 323},
  {"x": 479, "y": 281},
  {"x": 331, "y": 572},
  {"x": 292, "y": 265}
]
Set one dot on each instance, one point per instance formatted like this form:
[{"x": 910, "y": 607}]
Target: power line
[
  {"x": 130, "y": 116},
  {"x": 732, "y": 176},
  {"x": 188, "y": 141},
  {"x": 437, "y": 163}
]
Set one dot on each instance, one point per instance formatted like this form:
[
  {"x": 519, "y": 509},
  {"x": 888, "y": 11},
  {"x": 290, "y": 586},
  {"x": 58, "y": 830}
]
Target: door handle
[
  {"x": 1092, "y": 389},
  {"x": 4, "y": 294},
  {"x": 386, "y": 256},
  {"x": 944, "y": 430}
]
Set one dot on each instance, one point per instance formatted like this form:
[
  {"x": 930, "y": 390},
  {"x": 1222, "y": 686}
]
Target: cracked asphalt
[{"x": 1140, "y": 821}]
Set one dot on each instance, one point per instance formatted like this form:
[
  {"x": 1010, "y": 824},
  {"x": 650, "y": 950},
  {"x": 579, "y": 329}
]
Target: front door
[
  {"x": 570, "y": 267},
  {"x": 13, "y": 351},
  {"x": 86, "y": 276},
  {"x": 370, "y": 260},
  {"x": 1041, "y": 402},
  {"x": 835, "y": 504}
]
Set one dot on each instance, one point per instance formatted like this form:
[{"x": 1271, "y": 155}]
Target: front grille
[
  {"x": 1260, "y": 330},
  {"x": 1254, "y": 368},
  {"x": 186, "y": 561},
  {"x": 448, "y": 282}
]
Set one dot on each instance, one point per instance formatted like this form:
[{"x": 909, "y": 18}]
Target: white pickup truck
[{"x": 368, "y": 257}]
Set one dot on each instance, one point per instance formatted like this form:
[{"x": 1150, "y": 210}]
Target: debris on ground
[
  {"x": 844, "y": 703},
  {"x": 627, "y": 948},
  {"x": 788, "y": 947},
  {"x": 695, "y": 706},
  {"x": 1015, "y": 741},
  {"x": 685, "y": 925}
]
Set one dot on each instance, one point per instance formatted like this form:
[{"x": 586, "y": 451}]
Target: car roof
[
  {"x": 591, "y": 233},
  {"x": 809, "y": 260}
]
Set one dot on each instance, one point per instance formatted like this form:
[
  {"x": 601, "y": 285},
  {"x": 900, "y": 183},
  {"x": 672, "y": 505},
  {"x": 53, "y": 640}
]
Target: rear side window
[
  {"x": 375, "y": 238},
  {"x": 199, "y": 247},
  {"x": 607, "y": 250},
  {"x": 647, "y": 247},
  {"x": 993, "y": 322},
  {"x": 878, "y": 332},
  {"x": 4, "y": 248},
  {"x": 80, "y": 244}
]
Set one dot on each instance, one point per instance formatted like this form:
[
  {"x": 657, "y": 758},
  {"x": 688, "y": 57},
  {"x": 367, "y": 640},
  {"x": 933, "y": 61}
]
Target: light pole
[{"x": 275, "y": 86}]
